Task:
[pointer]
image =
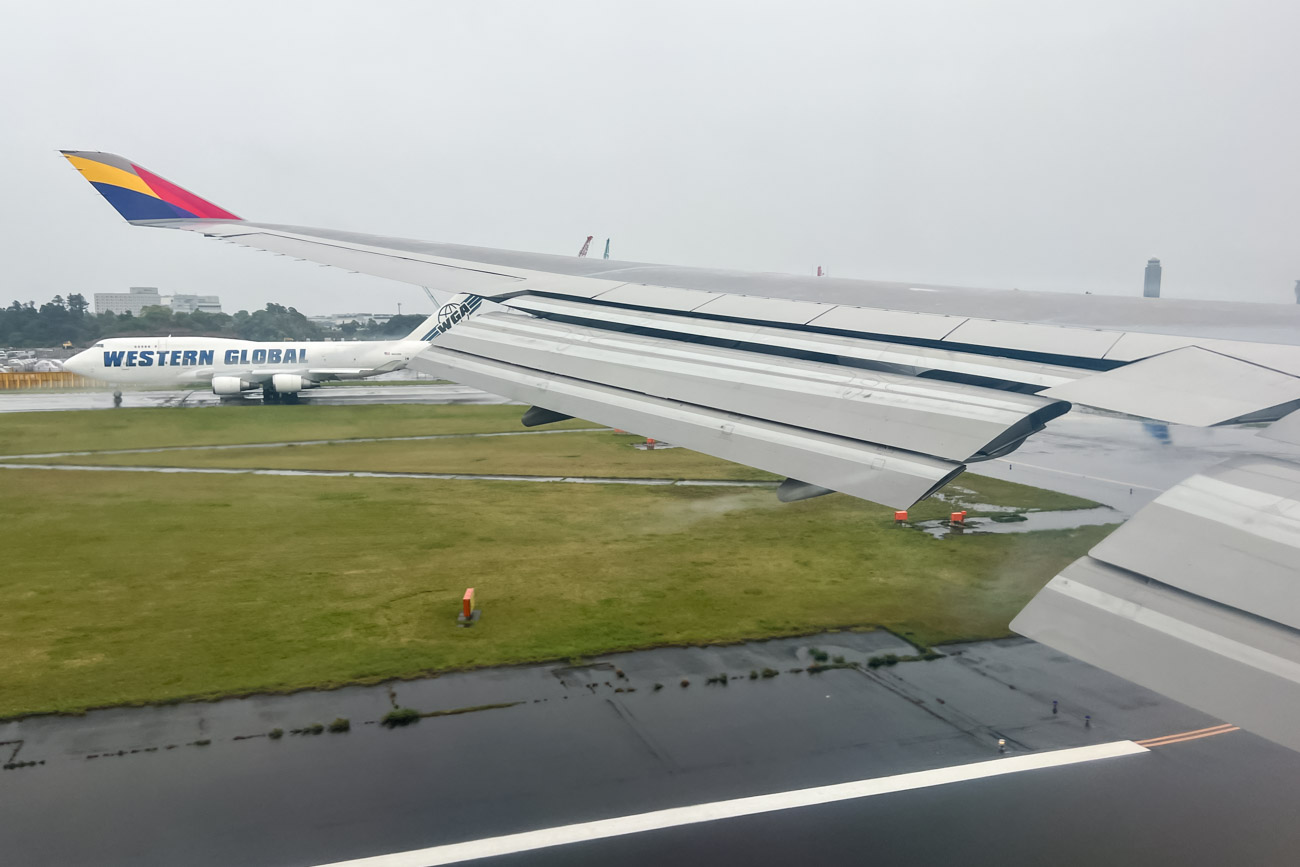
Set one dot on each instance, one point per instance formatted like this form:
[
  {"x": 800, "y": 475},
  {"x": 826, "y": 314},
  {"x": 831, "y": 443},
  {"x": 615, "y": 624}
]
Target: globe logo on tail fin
[{"x": 453, "y": 312}]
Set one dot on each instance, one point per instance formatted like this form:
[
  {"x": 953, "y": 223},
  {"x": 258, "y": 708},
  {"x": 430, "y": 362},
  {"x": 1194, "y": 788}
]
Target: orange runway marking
[{"x": 1188, "y": 736}]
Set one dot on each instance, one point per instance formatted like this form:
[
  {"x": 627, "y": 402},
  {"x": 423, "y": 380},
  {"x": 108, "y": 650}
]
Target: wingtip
[{"x": 139, "y": 195}]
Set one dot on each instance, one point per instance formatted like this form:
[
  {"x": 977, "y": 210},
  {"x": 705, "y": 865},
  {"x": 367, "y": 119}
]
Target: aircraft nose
[{"x": 79, "y": 363}]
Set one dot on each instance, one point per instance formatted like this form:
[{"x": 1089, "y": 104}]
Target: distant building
[
  {"x": 131, "y": 302},
  {"x": 194, "y": 303},
  {"x": 336, "y": 320},
  {"x": 141, "y": 297},
  {"x": 1151, "y": 284},
  {"x": 1297, "y": 291}
]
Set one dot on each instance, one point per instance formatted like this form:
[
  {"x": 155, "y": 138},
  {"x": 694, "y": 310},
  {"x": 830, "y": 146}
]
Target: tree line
[{"x": 60, "y": 320}]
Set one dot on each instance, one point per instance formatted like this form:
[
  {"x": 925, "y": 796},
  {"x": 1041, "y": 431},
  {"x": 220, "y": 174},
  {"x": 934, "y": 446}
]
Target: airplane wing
[
  {"x": 881, "y": 390},
  {"x": 886, "y": 391}
]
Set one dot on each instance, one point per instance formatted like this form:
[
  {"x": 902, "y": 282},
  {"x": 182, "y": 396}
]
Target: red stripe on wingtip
[{"x": 181, "y": 198}]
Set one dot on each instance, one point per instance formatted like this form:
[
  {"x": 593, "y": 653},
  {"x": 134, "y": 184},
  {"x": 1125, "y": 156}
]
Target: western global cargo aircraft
[
  {"x": 282, "y": 370},
  {"x": 885, "y": 391}
]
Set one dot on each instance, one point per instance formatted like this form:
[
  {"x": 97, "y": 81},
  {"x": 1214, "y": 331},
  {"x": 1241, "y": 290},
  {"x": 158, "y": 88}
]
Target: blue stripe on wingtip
[{"x": 133, "y": 205}]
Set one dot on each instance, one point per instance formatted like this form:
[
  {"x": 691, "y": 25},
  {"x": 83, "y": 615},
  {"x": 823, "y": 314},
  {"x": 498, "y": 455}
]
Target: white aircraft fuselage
[{"x": 232, "y": 366}]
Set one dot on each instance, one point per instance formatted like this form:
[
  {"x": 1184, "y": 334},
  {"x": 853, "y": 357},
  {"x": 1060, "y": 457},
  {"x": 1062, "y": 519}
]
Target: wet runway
[
  {"x": 540, "y": 747},
  {"x": 336, "y": 395}
]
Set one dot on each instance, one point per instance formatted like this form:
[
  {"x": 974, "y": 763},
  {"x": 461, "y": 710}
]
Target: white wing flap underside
[
  {"x": 895, "y": 478},
  {"x": 1197, "y": 597},
  {"x": 946, "y": 420}
]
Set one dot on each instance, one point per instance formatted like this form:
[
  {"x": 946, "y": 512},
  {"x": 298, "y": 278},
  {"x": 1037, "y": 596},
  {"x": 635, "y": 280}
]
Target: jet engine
[
  {"x": 230, "y": 385},
  {"x": 290, "y": 383}
]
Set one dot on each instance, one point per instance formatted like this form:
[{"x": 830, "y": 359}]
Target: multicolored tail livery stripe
[{"x": 139, "y": 194}]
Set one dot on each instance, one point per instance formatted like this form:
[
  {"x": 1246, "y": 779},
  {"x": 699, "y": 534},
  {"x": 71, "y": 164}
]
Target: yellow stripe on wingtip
[{"x": 99, "y": 173}]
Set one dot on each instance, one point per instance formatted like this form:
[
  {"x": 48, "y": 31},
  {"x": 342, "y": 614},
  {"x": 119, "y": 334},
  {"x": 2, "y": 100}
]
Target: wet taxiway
[
  {"x": 337, "y": 395},
  {"x": 538, "y": 747},
  {"x": 1121, "y": 462}
]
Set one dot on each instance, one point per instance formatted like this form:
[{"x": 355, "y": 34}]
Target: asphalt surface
[
  {"x": 337, "y": 395},
  {"x": 1211, "y": 802},
  {"x": 138, "y": 786}
]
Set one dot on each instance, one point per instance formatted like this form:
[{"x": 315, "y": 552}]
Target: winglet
[{"x": 137, "y": 193}]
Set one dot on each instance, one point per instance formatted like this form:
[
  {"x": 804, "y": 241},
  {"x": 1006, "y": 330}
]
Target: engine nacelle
[
  {"x": 230, "y": 385},
  {"x": 290, "y": 383}
]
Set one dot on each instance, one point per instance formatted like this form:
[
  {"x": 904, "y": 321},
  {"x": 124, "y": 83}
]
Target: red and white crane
[{"x": 582, "y": 254}]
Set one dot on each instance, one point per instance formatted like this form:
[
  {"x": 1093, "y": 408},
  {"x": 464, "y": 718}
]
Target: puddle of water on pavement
[{"x": 1021, "y": 522}]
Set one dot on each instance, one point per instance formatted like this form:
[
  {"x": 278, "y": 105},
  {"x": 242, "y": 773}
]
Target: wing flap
[
  {"x": 1191, "y": 386},
  {"x": 882, "y": 475},
  {"x": 1230, "y": 534},
  {"x": 1214, "y": 658},
  {"x": 1284, "y": 430},
  {"x": 947, "y": 420},
  {"x": 1195, "y": 597}
]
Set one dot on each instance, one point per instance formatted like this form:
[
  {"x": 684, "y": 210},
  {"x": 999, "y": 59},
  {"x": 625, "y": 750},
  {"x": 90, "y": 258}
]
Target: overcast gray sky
[{"x": 1039, "y": 145}]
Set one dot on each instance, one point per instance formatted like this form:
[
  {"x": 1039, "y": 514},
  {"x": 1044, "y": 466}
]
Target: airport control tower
[{"x": 1151, "y": 285}]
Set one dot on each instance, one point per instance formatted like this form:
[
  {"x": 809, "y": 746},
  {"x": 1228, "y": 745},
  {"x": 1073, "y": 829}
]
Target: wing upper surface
[
  {"x": 1045, "y": 326},
  {"x": 1268, "y": 323}
]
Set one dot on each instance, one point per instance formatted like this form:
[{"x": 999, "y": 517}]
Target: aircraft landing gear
[{"x": 270, "y": 396}]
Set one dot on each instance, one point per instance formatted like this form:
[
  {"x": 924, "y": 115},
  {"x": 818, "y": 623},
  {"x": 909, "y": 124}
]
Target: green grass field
[
  {"x": 147, "y": 428},
  {"x": 604, "y": 454},
  {"x": 130, "y": 588}
]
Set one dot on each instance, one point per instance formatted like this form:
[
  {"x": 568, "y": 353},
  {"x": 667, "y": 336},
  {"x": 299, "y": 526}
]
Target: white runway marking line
[{"x": 455, "y": 853}]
